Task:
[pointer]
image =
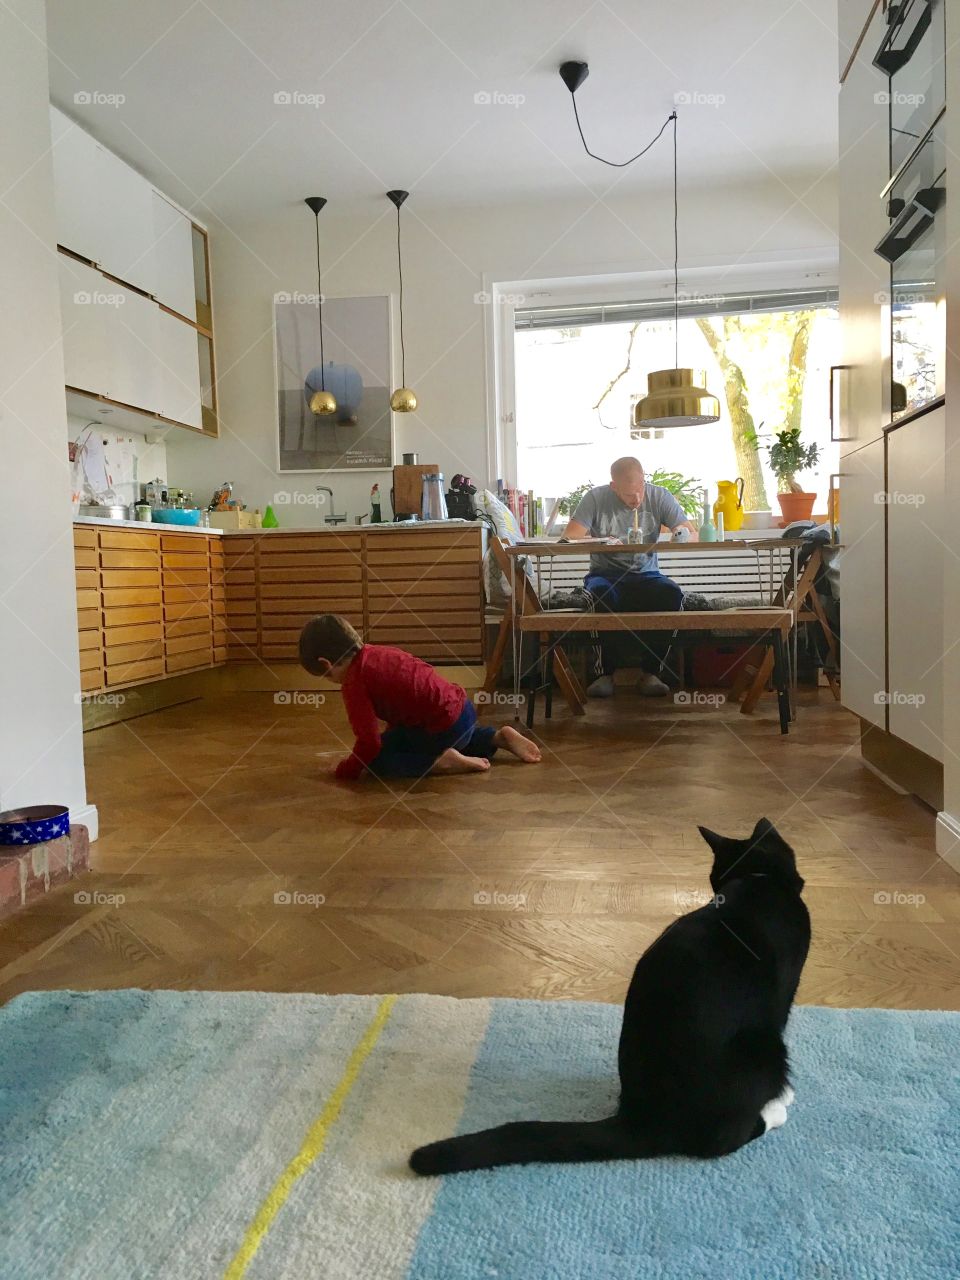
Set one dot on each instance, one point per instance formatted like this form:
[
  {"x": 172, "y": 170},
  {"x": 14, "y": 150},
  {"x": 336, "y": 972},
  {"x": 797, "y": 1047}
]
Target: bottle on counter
[{"x": 375, "y": 516}]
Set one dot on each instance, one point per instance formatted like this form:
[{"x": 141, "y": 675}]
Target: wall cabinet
[
  {"x": 915, "y": 546},
  {"x": 132, "y": 326},
  {"x": 862, "y": 407},
  {"x": 139, "y": 343},
  {"x": 175, "y": 284},
  {"x": 76, "y": 187},
  {"x": 126, "y": 233},
  {"x": 87, "y": 351},
  {"x": 863, "y": 573},
  {"x": 178, "y": 370}
]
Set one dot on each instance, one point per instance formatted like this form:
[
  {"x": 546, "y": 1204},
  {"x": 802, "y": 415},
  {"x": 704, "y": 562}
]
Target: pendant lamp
[
  {"x": 323, "y": 403},
  {"x": 676, "y": 397},
  {"x": 403, "y": 400}
]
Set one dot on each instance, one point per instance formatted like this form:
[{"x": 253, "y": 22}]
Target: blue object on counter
[
  {"x": 177, "y": 515},
  {"x": 34, "y": 824}
]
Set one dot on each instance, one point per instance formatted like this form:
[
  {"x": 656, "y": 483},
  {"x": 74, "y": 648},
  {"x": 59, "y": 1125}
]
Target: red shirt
[{"x": 389, "y": 684}]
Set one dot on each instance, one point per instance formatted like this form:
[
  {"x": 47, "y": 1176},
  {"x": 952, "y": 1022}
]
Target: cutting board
[{"x": 408, "y": 487}]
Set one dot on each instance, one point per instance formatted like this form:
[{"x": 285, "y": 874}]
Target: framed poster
[{"x": 356, "y": 369}]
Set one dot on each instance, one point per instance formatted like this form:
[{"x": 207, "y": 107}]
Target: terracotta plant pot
[{"x": 795, "y": 506}]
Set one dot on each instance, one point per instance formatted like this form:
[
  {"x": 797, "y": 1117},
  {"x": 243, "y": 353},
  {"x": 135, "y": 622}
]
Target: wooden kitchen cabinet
[
  {"x": 149, "y": 604},
  {"x": 157, "y": 603},
  {"x": 424, "y": 594}
]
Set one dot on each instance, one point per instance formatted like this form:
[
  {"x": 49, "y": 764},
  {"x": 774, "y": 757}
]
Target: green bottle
[
  {"x": 270, "y": 520},
  {"x": 708, "y": 530}
]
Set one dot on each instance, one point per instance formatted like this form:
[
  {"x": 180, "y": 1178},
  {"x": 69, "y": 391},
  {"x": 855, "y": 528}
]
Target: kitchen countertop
[{"x": 386, "y": 527}]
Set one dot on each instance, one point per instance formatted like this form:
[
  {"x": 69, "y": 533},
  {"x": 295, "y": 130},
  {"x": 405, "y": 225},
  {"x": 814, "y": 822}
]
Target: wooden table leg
[{"x": 781, "y": 680}]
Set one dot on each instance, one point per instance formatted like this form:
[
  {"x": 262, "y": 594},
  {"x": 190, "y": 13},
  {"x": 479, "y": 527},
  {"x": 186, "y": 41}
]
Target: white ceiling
[{"x": 399, "y": 78}]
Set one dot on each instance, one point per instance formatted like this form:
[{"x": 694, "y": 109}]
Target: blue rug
[{"x": 193, "y": 1135}]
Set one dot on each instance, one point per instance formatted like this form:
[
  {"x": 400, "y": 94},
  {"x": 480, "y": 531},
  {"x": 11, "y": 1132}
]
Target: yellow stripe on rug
[{"x": 312, "y": 1146}]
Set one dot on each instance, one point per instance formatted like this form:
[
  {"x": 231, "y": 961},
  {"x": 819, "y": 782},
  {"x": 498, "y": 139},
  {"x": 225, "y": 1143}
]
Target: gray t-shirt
[{"x": 605, "y": 516}]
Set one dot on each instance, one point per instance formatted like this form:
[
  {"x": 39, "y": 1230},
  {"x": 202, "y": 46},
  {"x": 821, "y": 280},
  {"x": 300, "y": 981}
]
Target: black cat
[{"x": 703, "y": 1065}]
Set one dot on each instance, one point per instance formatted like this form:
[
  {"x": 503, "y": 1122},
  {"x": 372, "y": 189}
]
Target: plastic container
[{"x": 177, "y": 515}]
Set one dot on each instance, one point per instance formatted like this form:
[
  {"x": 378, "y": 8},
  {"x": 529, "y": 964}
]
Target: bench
[{"x": 766, "y": 604}]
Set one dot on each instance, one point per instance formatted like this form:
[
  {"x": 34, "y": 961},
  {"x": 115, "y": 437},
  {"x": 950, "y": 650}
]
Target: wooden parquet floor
[{"x": 243, "y": 865}]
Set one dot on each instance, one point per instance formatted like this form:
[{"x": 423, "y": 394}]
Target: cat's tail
[{"x": 528, "y": 1140}]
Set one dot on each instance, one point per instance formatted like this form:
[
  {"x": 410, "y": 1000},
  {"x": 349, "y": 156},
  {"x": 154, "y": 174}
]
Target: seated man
[{"x": 629, "y": 584}]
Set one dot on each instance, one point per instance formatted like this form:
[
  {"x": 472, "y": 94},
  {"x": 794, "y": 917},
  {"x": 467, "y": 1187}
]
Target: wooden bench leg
[
  {"x": 568, "y": 682},
  {"x": 752, "y": 659},
  {"x": 758, "y": 683}
]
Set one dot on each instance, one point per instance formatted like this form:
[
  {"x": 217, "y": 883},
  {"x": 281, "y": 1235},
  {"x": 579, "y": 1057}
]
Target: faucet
[{"x": 331, "y": 517}]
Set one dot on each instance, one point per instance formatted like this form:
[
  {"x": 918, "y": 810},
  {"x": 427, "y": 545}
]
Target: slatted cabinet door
[
  {"x": 187, "y": 601},
  {"x": 241, "y": 629},
  {"x": 301, "y": 575},
  {"x": 424, "y": 593},
  {"x": 132, "y": 605},
  {"x": 89, "y": 616}
]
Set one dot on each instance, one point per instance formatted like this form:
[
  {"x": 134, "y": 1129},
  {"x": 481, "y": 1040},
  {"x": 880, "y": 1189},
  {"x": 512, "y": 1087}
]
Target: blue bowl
[
  {"x": 33, "y": 824},
  {"x": 177, "y": 515}
]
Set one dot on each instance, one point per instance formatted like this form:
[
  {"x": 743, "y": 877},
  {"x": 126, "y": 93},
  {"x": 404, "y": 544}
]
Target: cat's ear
[
  {"x": 715, "y": 842},
  {"x": 765, "y": 830}
]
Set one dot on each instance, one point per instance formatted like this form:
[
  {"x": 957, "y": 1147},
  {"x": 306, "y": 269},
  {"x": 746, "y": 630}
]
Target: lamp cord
[
  {"x": 323, "y": 385},
  {"x": 622, "y": 164},
  {"x": 676, "y": 253},
  {"x": 616, "y": 164},
  {"x": 403, "y": 356}
]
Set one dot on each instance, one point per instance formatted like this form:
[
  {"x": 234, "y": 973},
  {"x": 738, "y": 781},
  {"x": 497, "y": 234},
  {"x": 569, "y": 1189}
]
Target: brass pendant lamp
[
  {"x": 403, "y": 400},
  {"x": 323, "y": 403},
  {"x": 675, "y": 397}
]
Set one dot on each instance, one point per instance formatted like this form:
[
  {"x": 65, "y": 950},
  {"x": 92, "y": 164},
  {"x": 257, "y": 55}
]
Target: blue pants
[
  {"x": 649, "y": 592},
  {"x": 407, "y": 751}
]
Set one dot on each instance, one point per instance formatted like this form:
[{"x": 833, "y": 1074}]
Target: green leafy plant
[
  {"x": 685, "y": 489},
  {"x": 568, "y": 505},
  {"x": 788, "y": 455}
]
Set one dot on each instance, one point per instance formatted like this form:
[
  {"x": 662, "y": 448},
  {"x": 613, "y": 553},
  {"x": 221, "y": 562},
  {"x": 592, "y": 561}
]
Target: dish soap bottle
[{"x": 708, "y": 530}]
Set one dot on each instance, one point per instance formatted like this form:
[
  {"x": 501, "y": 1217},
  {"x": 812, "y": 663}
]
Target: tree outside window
[{"x": 576, "y": 387}]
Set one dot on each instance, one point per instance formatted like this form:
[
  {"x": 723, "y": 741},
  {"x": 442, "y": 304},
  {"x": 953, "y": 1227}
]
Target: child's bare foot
[
  {"x": 513, "y": 741},
  {"x": 453, "y": 762}
]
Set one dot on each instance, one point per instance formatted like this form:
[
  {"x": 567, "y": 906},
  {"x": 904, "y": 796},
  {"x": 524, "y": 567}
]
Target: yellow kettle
[{"x": 730, "y": 503}]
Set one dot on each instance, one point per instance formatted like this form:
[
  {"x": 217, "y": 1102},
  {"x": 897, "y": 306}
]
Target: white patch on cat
[
  {"x": 774, "y": 1114},
  {"x": 787, "y": 1096}
]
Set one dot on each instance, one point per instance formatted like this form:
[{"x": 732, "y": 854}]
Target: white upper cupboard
[
  {"x": 76, "y": 186},
  {"x": 175, "y": 281},
  {"x": 119, "y": 342},
  {"x": 178, "y": 370}
]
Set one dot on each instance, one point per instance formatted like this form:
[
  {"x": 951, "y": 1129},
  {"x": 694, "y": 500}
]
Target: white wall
[
  {"x": 449, "y": 256},
  {"x": 948, "y": 825},
  {"x": 41, "y": 751}
]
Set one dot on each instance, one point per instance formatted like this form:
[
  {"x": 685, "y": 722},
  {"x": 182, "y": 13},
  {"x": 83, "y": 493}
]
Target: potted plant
[{"x": 788, "y": 455}]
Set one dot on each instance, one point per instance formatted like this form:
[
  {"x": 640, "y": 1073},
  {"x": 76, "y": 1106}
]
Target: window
[{"x": 580, "y": 370}]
